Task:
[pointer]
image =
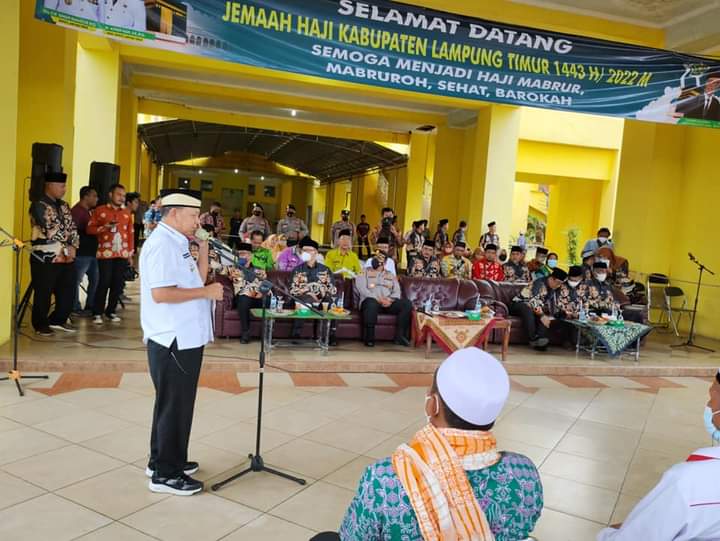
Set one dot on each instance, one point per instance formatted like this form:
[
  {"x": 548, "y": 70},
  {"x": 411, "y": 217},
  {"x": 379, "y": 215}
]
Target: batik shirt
[
  {"x": 516, "y": 272},
  {"x": 317, "y": 281},
  {"x": 425, "y": 268},
  {"x": 487, "y": 270},
  {"x": 441, "y": 238},
  {"x": 571, "y": 298},
  {"x": 53, "y": 229},
  {"x": 490, "y": 238},
  {"x": 413, "y": 244},
  {"x": 538, "y": 295},
  {"x": 509, "y": 492},
  {"x": 456, "y": 267},
  {"x": 246, "y": 280},
  {"x": 600, "y": 297},
  {"x": 114, "y": 242}
]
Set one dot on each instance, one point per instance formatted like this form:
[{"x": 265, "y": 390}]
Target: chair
[
  {"x": 655, "y": 288},
  {"x": 678, "y": 295}
]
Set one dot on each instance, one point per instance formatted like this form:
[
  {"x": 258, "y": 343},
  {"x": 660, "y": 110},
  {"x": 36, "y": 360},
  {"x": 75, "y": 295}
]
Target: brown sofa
[{"x": 452, "y": 295}]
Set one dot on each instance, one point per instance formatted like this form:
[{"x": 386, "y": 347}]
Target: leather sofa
[{"x": 451, "y": 294}]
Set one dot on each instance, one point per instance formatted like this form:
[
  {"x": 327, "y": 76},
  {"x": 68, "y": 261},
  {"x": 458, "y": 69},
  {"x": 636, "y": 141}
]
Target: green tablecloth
[
  {"x": 292, "y": 314},
  {"x": 614, "y": 339}
]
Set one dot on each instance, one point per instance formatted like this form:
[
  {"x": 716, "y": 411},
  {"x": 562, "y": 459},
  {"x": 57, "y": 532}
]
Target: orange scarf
[{"x": 432, "y": 468}]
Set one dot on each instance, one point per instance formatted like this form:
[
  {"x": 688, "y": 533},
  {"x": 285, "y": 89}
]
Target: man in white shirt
[
  {"x": 175, "y": 314},
  {"x": 685, "y": 504}
]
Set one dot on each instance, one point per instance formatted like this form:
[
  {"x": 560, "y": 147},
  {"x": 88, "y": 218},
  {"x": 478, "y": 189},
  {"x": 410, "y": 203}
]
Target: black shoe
[
  {"x": 244, "y": 339},
  {"x": 182, "y": 485},
  {"x": 370, "y": 343},
  {"x": 539, "y": 343},
  {"x": 402, "y": 341},
  {"x": 189, "y": 469},
  {"x": 333, "y": 341}
]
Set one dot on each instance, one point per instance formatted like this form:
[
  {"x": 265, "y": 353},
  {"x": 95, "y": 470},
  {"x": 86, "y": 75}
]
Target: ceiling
[{"x": 325, "y": 158}]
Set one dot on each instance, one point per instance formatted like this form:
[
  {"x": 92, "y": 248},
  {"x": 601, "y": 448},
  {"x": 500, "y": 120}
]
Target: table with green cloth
[
  {"x": 325, "y": 319},
  {"x": 449, "y": 333},
  {"x": 612, "y": 339}
]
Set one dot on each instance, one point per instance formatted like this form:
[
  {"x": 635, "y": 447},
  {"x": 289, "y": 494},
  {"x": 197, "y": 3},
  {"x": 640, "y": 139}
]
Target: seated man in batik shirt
[
  {"x": 516, "y": 270},
  {"x": 311, "y": 282},
  {"x": 574, "y": 294},
  {"x": 537, "y": 305},
  {"x": 601, "y": 298},
  {"x": 488, "y": 267},
  {"x": 456, "y": 265},
  {"x": 450, "y": 481},
  {"x": 426, "y": 265},
  {"x": 246, "y": 284}
]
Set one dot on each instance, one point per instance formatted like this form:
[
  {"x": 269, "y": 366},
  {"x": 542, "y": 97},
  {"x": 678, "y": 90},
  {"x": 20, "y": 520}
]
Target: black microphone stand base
[
  {"x": 690, "y": 344},
  {"x": 257, "y": 464}
]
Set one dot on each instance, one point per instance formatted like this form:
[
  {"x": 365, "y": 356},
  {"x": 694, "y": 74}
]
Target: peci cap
[
  {"x": 491, "y": 246},
  {"x": 559, "y": 274},
  {"x": 178, "y": 197},
  {"x": 575, "y": 271},
  {"x": 56, "y": 176},
  {"x": 308, "y": 242}
]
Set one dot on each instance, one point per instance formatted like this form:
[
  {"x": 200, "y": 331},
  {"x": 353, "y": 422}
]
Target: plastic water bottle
[
  {"x": 478, "y": 304},
  {"x": 582, "y": 316},
  {"x": 341, "y": 300},
  {"x": 273, "y": 303},
  {"x": 614, "y": 312},
  {"x": 428, "y": 305}
]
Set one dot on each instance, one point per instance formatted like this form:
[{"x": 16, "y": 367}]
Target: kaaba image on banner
[{"x": 167, "y": 17}]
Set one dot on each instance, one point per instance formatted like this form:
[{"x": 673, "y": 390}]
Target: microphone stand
[
  {"x": 690, "y": 343},
  {"x": 257, "y": 464},
  {"x": 14, "y": 374}
]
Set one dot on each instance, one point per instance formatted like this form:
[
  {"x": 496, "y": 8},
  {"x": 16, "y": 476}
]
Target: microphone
[
  {"x": 692, "y": 257},
  {"x": 266, "y": 287}
]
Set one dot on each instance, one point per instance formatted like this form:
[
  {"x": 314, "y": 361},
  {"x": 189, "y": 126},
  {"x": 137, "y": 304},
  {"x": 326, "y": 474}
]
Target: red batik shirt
[
  {"x": 486, "y": 270},
  {"x": 114, "y": 242}
]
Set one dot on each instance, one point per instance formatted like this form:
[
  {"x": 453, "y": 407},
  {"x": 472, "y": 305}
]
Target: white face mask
[
  {"x": 437, "y": 409},
  {"x": 306, "y": 257},
  {"x": 601, "y": 277},
  {"x": 573, "y": 284},
  {"x": 602, "y": 240},
  {"x": 709, "y": 425}
]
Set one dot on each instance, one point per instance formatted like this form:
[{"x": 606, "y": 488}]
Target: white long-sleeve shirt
[{"x": 684, "y": 506}]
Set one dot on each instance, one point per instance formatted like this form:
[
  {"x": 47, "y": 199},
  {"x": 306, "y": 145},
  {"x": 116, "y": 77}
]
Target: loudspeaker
[
  {"x": 102, "y": 176},
  {"x": 46, "y": 158}
]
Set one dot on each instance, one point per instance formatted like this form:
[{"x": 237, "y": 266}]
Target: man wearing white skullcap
[
  {"x": 685, "y": 504},
  {"x": 450, "y": 482}
]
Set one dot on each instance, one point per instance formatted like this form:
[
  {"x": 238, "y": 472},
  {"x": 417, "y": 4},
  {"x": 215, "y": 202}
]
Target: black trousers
[
  {"x": 531, "y": 321},
  {"x": 111, "y": 279},
  {"x": 137, "y": 231},
  {"x": 175, "y": 376},
  {"x": 243, "y": 305},
  {"x": 402, "y": 308},
  {"x": 50, "y": 279}
]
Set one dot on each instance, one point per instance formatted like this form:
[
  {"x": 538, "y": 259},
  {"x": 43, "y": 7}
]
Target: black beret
[
  {"x": 542, "y": 250},
  {"x": 559, "y": 274},
  {"x": 307, "y": 241},
  {"x": 517, "y": 249},
  {"x": 429, "y": 242},
  {"x": 491, "y": 246},
  {"x": 244, "y": 247},
  {"x": 575, "y": 270}
]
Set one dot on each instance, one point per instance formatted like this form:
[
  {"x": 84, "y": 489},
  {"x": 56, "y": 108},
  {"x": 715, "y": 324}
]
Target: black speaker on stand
[
  {"x": 46, "y": 158},
  {"x": 102, "y": 176}
]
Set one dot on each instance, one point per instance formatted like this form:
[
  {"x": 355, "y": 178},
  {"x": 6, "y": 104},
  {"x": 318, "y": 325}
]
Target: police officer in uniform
[
  {"x": 128, "y": 14},
  {"x": 341, "y": 225},
  {"x": 292, "y": 227},
  {"x": 175, "y": 314},
  {"x": 85, "y": 9},
  {"x": 256, "y": 222}
]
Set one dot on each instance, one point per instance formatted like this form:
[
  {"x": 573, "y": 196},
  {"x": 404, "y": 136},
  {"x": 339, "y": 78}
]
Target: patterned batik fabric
[
  {"x": 600, "y": 296},
  {"x": 510, "y": 493},
  {"x": 246, "y": 281},
  {"x": 456, "y": 267},
  {"x": 540, "y": 296},
  {"x": 487, "y": 270},
  {"x": 307, "y": 282},
  {"x": 425, "y": 268},
  {"x": 53, "y": 229},
  {"x": 516, "y": 272},
  {"x": 570, "y": 299}
]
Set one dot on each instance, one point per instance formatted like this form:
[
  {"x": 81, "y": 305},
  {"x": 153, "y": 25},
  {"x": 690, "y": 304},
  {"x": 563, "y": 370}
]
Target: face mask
[
  {"x": 709, "y": 425},
  {"x": 552, "y": 263},
  {"x": 242, "y": 261},
  {"x": 602, "y": 240},
  {"x": 437, "y": 409},
  {"x": 601, "y": 277},
  {"x": 573, "y": 284},
  {"x": 345, "y": 218},
  {"x": 306, "y": 257},
  {"x": 256, "y": 213},
  {"x": 290, "y": 214}
]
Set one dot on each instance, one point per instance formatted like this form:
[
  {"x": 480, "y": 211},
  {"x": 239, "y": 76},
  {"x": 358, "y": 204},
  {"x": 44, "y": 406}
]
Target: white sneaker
[
  {"x": 114, "y": 318},
  {"x": 97, "y": 320},
  {"x": 65, "y": 327}
]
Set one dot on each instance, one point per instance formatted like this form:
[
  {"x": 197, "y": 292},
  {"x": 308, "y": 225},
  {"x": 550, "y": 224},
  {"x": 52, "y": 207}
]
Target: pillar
[
  {"x": 126, "y": 152},
  {"x": 10, "y": 40},
  {"x": 96, "y": 106},
  {"x": 411, "y": 186}
]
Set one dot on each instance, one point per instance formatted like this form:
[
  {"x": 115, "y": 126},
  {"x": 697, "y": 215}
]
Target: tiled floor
[{"x": 72, "y": 455}]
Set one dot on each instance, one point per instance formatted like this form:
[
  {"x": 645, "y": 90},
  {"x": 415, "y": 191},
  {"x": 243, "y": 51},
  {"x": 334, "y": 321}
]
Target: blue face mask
[
  {"x": 241, "y": 261},
  {"x": 552, "y": 263},
  {"x": 709, "y": 425}
]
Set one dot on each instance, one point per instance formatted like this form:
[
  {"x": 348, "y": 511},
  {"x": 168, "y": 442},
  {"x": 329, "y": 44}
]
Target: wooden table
[
  {"x": 452, "y": 334},
  {"x": 505, "y": 325}
]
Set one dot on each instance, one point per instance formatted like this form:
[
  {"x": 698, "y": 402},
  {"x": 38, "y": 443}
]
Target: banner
[{"x": 391, "y": 45}]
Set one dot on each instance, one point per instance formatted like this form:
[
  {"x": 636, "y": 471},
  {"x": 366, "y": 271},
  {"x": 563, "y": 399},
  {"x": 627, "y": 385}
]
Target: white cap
[{"x": 474, "y": 385}]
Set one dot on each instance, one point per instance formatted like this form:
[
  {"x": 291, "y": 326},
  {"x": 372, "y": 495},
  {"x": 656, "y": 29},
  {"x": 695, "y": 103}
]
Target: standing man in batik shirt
[
  {"x": 479, "y": 493},
  {"x": 460, "y": 234},
  {"x": 55, "y": 241},
  {"x": 441, "y": 235},
  {"x": 256, "y": 222},
  {"x": 414, "y": 241},
  {"x": 311, "y": 282},
  {"x": 457, "y": 265},
  {"x": 537, "y": 305},
  {"x": 112, "y": 223},
  {"x": 291, "y": 226},
  {"x": 212, "y": 221},
  {"x": 426, "y": 265},
  {"x": 516, "y": 270},
  {"x": 490, "y": 236},
  {"x": 488, "y": 267},
  {"x": 246, "y": 285},
  {"x": 341, "y": 225},
  {"x": 601, "y": 298}
]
